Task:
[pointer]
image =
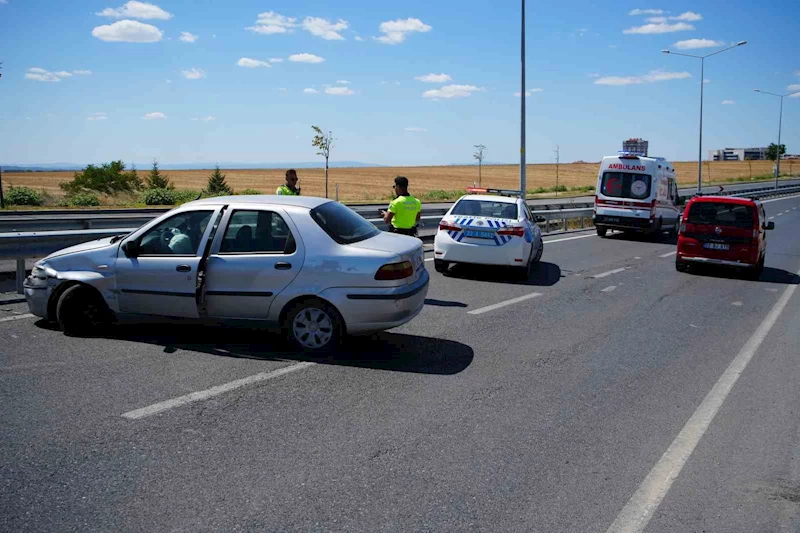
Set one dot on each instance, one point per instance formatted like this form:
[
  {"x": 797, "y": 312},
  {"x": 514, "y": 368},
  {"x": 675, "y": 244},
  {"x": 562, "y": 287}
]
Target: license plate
[
  {"x": 611, "y": 219},
  {"x": 716, "y": 246},
  {"x": 478, "y": 234}
]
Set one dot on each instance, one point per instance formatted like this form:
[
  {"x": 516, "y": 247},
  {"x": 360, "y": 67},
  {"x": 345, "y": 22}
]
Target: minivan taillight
[
  {"x": 514, "y": 232},
  {"x": 683, "y": 228},
  {"x": 395, "y": 271}
]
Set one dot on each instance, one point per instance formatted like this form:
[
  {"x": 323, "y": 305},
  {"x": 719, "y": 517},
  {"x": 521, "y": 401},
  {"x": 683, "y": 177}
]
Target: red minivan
[{"x": 724, "y": 231}]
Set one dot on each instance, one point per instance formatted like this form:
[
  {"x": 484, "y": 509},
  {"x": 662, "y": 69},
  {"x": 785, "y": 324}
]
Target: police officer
[
  {"x": 289, "y": 188},
  {"x": 404, "y": 211}
]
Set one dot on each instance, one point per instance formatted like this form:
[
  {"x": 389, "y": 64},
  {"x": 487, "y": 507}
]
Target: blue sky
[{"x": 245, "y": 82}]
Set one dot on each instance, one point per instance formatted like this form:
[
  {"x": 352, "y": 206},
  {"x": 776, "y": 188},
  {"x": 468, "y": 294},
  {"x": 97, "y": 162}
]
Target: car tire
[
  {"x": 441, "y": 266},
  {"x": 81, "y": 311},
  {"x": 601, "y": 232},
  {"x": 681, "y": 266},
  {"x": 314, "y": 326},
  {"x": 755, "y": 273},
  {"x": 539, "y": 252},
  {"x": 524, "y": 272}
]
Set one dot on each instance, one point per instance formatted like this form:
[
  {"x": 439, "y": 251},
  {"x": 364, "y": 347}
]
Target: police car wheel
[
  {"x": 539, "y": 252},
  {"x": 441, "y": 266},
  {"x": 601, "y": 231}
]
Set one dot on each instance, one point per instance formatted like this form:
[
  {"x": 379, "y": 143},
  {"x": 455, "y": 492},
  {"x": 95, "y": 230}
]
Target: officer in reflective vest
[
  {"x": 404, "y": 211},
  {"x": 289, "y": 188}
]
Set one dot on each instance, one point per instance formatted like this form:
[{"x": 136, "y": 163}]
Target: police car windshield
[
  {"x": 485, "y": 208},
  {"x": 342, "y": 224},
  {"x": 626, "y": 185}
]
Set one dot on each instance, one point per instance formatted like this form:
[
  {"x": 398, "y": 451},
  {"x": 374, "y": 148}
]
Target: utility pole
[
  {"x": 2, "y": 200},
  {"x": 522, "y": 177},
  {"x": 558, "y": 159}
]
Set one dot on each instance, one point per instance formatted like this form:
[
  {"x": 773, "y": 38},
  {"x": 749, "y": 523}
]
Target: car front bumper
[{"x": 37, "y": 296}]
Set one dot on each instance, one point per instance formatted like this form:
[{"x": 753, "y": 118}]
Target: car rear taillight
[
  {"x": 445, "y": 226},
  {"x": 394, "y": 271},
  {"x": 514, "y": 232}
]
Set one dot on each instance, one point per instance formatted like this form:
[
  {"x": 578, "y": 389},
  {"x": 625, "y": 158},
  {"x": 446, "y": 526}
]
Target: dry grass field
[{"x": 374, "y": 184}]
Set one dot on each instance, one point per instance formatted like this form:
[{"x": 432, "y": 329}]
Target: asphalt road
[{"x": 611, "y": 391}]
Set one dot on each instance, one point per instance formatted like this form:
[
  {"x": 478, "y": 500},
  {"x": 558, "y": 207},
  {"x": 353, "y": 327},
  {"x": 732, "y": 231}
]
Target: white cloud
[
  {"x": 155, "y": 116},
  {"x": 308, "y": 90},
  {"x": 136, "y": 10},
  {"x": 306, "y": 58},
  {"x": 451, "y": 91},
  {"x": 359, "y": 38},
  {"x": 794, "y": 87},
  {"x": 689, "y": 16},
  {"x": 209, "y": 118},
  {"x": 694, "y": 44},
  {"x": 97, "y": 116},
  {"x": 795, "y": 95},
  {"x": 270, "y": 23},
  {"x": 594, "y": 75},
  {"x": 706, "y": 80},
  {"x": 128, "y": 31},
  {"x": 396, "y": 31},
  {"x": 637, "y": 12},
  {"x": 728, "y": 102},
  {"x": 82, "y": 72},
  {"x": 651, "y": 77},
  {"x": 340, "y": 91},
  {"x": 325, "y": 29},
  {"x": 657, "y": 20},
  {"x": 275, "y": 60},
  {"x": 194, "y": 74},
  {"x": 247, "y": 62},
  {"x": 415, "y": 129},
  {"x": 343, "y": 82},
  {"x": 40, "y": 74},
  {"x": 434, "y": 78},
  {"x": 187, "y": 37},
  {"x": 651, "y": 29},
  {"x": 529, "y": 92}
]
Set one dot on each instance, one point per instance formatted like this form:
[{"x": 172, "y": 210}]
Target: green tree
[
  {"x": 109, "y": 178},
  {"x": 216, "y": 183},
  {"x": 157, "y": 180},
  {"x": 772, "y": 151},
  {"x": 323, "y": 142}
]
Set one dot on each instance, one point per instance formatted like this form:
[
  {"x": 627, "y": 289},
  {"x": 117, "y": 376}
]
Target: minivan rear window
[
  {"x": 342, "y": 224},
  {"x": 721, "y": 214},
  {"x": 626, "y": 185}
]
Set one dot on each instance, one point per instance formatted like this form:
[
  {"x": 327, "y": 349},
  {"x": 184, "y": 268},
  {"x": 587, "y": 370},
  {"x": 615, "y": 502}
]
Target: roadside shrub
[
  {"x": 23, "y": 196},
  {"x": 186, "y": 195},
  {"x": 158, "y": 197},
  {"x": 559, "y": 188},
  {"x": 438, "y": 195},
  {"x": 110, "y": 178},
  {"x": 539, "y": 190},
  {"x": 83, "y": 199},
  {"x": 250, "y": 191}
]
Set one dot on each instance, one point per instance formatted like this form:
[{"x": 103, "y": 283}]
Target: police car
[{"x": 495, "y": 228}]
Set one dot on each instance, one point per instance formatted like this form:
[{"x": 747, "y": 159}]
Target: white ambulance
[{"x": 636, "y": 193}]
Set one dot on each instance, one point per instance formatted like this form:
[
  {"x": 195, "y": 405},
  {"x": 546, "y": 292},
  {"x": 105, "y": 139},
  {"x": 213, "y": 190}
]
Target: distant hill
[{"x": 53, "y": 167}]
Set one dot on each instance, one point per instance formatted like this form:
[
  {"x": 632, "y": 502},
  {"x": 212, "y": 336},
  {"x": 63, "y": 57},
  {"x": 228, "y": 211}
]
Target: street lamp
[
  {"x": 702, "y": 82},
  {"x": 780, "y": 120}
]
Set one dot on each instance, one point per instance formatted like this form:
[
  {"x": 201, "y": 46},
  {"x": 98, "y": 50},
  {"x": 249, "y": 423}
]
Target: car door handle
[
  {"x": 183, "y": 268},
  {"x": 283, "y": 266}
]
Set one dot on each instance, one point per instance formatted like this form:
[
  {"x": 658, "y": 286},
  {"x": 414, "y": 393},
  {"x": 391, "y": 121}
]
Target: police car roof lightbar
[{"x": 502, "y": 192}]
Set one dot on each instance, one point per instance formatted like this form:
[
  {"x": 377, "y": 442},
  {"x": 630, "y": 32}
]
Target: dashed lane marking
[
  {"x": 610, "y": 288},
  {"x": 492, "y": 307},
  {"x": 669, "y": 254},
  {"x": 609, "y": 273},
  {"x": 16, "y": 317}
]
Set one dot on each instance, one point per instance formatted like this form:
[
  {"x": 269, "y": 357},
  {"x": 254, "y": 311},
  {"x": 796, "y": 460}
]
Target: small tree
[
  {"x": 324, "y": 143},
  {"x": 479, "y": 154},
  {"x": 157, "y": 180},
  {"x": 216, "y": 183},
  {"x": 772, "y": 151},
  {"x": 109, "y": 178}
]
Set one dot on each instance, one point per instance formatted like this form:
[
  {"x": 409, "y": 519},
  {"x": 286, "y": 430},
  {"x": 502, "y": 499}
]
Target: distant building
[
  {"x": 635, "y": 145},
  {"x": 738, "y": 154}
]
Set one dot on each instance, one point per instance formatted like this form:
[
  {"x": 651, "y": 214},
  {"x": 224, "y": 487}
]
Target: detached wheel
[
  {"x": 601, "y": 232},
  {"x": 81, "y": 311},
  {"x": 681, "y": 266},
  {"x": 314, "y": 326},
  {"x": 440, "y": 265}
]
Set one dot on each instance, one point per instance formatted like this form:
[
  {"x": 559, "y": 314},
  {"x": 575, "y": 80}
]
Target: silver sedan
[{"x": 309, "y": 267}]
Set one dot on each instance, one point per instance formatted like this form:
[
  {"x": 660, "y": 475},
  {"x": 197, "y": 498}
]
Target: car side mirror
[
  {"x": 770, "y": 225},
  {"x": 131, "y": 249}
]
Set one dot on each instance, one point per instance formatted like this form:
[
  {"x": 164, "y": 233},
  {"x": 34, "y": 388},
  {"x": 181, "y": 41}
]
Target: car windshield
[
  {"x": 344, "y": 225},
  {"x": 485, "y": 208},
  {"x": 626, "y": 185},
  {"x": 721, "y": 214}
]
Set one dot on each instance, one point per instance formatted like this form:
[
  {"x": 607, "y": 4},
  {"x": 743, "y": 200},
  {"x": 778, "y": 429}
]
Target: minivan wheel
[
  {"x": 681, "y": 266},
  {"x": 601, "y": 232},
  {"x": 755, "y": 273},
  {"x": 81, "y": 310},
  {"x": 314, "y": 326}
]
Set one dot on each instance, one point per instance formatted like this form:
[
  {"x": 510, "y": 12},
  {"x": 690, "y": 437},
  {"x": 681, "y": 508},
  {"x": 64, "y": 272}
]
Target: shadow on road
[
  {"x": 769, "y": 275},
  {"x": 383, "y": 351},
  {"x": 543, "y": 275},
  {"x": 444, "y": 303}
]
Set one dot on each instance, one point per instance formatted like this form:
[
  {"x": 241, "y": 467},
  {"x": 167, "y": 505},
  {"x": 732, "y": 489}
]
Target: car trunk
[
  {"x": 406, "y": 248},
  {"x": 481, "y": 231},
  {"x": 722, "y": 231}
]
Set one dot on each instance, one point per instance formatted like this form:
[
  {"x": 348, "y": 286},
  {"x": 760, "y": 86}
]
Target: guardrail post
[
  {"x": 565, "y": 224},
  {"x": 547, "y": 225},
  {"x": 582, "y": 224},
  {"x": 20, "y": 274}
]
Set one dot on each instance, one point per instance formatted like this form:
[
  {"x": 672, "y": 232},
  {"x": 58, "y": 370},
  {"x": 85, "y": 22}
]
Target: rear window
[
  {"x": 721, "y": 214},
  {"x": 485, "y": 208},
  {"x": 342, "y": 224},
  {"x": 626, "y": 185}
]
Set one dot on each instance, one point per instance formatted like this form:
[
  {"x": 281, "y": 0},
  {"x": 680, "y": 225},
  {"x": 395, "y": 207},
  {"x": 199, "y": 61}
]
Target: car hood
[{"x": 84, "y": 247}]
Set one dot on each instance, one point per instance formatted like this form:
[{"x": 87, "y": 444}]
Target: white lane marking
[
  {"x": 610, "y": 272},
  {"x": 637, "y": 257},
  {"x": 780, "y": 214},
  {"x": 430, "y": 259},
  {"x": 570, "y": 238},
  {"x": 737, "y": 304},
  {"x": 609, "y": 288},
  {"x": 669, "y": 254},
  {"x": 213, "y": 391},
  {"x": 492, "y": 307},
  {"x": 771, "y": 218},
  {"x": 17, "y": 317},
  {"x": 636, "y": 514}
]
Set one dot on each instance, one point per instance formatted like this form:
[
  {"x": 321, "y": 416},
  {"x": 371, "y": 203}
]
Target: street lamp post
[
  {"x": 780, "y": 121},
  {"x": 522, "y": 176},
  {"x": 702, "y": 83}
]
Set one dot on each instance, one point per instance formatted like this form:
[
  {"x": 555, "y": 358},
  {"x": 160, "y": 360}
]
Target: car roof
[
  {"x": 490, "y": 198},
  {"x": 309, "y": 202},
  {"x": 724, "y": 200}
]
